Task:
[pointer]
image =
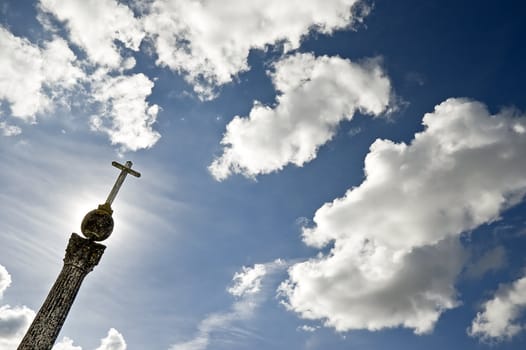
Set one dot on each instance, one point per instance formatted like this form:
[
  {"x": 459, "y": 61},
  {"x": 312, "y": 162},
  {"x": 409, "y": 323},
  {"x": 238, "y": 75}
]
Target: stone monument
[{"x": 82, "y": 255}]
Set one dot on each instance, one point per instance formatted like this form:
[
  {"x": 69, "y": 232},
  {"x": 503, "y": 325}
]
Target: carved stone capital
[{"x": 83, "y": 253}]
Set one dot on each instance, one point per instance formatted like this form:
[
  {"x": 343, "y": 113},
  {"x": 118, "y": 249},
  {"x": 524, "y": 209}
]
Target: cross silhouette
[{"x": 125, "y": 170}]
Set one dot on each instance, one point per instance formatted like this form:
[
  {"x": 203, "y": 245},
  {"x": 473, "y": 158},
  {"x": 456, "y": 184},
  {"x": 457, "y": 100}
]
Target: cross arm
[{"x": 126, "y": 168}]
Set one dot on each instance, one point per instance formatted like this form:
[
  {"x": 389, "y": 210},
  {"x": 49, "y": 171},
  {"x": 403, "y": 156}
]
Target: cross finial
[
  {"x": 125, "y": 170},
  {"x": 97, "y": 225}
]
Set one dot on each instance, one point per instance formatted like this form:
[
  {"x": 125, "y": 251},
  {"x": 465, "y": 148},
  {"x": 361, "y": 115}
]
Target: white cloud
[
  {"x": 396, "y": 251},
  {"x": 66, "y": 344},
  {"x": 113, "y": 341},
  {"x": 9, "y": 130},
  {"x": 96, "y": 25},
  {"x": 248, "y": 281},
  {"x": 315, "y": 95},
  {"x": 498, "y": 320},
  {"x": 307, "y": 328},
  {"x": 21, "y": 76},
  {"x": 247, "y": 288},
  {"x": 14, "y": 321},
  {"x": 5, "y": 280},
  {"x": 125, "y": 116},
  {"x": 58, "y": 64},
  {"x": 34, "y": 80},
  {"x": 27, "y": 69},
  {"x": 210, "y": 41},
  {"x": 186, "y": 39}
]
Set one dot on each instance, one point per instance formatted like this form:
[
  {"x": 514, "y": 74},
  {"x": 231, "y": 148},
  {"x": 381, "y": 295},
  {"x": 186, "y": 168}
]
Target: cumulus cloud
[
  {"x": 14, "y": 321},
  {"x": 185, "y": 38},
  {"x": 66, "y": 344},
  {"x": 498, "y": 319},
  {"x": 125, "y": 115},
  {"x": 314, "y": 95},
  {"x": 113, "y": 341},
  {"x": 210, "y": 41},
  {"x": 35, "y": 79},
  {"x": 104, "y": 29},
  {"x": 395, "y": 250},
  {"x": 247, "y": 288},
  {"x": 31, "y": 76},
  {"x": 96, "y": 26}
]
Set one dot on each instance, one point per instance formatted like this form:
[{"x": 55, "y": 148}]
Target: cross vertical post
[{"x": 125, "y": 170}]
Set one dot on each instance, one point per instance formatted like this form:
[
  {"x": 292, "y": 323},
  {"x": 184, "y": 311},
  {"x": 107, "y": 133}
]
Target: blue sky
[{"x": 340, "y": 174}]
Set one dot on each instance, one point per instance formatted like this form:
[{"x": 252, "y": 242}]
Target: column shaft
[{"x": 81, "y": 256}]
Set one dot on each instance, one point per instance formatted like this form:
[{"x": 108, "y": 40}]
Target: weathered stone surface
[
  {"x": 82, "y": 256},
  {"x": 97, "y": 225}
]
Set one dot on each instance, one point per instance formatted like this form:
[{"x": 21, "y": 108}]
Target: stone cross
[{"x": 125, "y": 170}]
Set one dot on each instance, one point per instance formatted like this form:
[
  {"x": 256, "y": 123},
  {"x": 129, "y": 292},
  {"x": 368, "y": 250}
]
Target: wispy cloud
[
  {"x": 9, "y": 130},
  {"x": 490, "y": 261},
  {"x": 250, "y": 288}
]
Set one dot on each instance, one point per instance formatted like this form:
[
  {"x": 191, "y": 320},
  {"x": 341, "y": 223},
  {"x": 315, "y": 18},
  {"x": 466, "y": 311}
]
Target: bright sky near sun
[{"x": 316, "y": 174}]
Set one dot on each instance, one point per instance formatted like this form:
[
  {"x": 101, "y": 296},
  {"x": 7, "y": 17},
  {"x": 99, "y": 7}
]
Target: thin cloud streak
[{"x": 250, "y": 287}]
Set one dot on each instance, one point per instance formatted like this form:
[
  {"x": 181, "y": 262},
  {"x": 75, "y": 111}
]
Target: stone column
[{"x": 82, "y": 255}]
